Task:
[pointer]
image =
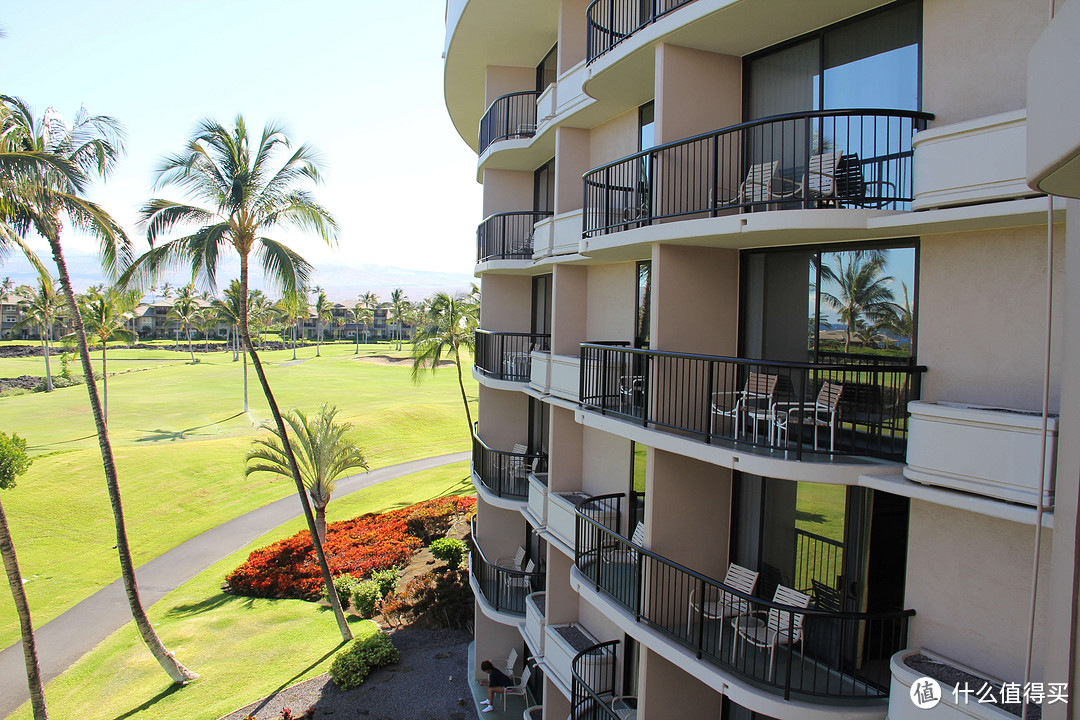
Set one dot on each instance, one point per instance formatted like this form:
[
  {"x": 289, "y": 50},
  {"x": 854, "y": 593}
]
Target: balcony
[
  {"x": 563, "y": 644},
  {"x": 507, "y": 236},
  {"x": 856, "y": 405},
  {"x": 593, "y": 685},
  {"x": 854, "y": 159},
  {"x": 503, "y": 473},
  {"x": 609, "y": 22},
  {"x": 498, "y": 585},
  {"x": 511, "y": 116},
  {"x": 836, "y": 655},
  {"x": 506, "y": 355},
  {"x": 535, "y": 621}
]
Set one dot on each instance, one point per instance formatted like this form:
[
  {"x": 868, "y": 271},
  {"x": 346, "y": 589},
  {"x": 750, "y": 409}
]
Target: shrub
[
  {"x": 436, "y": 599},
  {"x": 345, "y": 586},
  {"x": 386, "y": 580},
  {"x": 450, "y": 551},
  {"x": 353, "y": 664},
  {"x": 433, "y": 518},
  {"x": 366, "y": 597}
]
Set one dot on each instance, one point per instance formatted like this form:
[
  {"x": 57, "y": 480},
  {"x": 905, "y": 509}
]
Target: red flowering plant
[{"x": 288, "y": 568}]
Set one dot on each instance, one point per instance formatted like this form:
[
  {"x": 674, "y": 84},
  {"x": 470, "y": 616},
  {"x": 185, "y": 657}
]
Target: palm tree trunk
[
  {"x": 461, "y": 384},
  {"x": 245, "y": 384},
  {"x": 301, "y": 491},
  {"x": 104, "y": 379},
  {"x": 177, "y": 672},
  {"x": 318, "y": 339},
  {"x": 48, "y": 373},
  {"x": 294, "y": 342},
  {"x": 320, "y": 522},
  {"x": 33, "y": 670},
  {"x": 191, "y": 350}
]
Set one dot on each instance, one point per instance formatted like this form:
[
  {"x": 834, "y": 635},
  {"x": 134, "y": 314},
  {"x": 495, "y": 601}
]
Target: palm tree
[
  {"x": 7, "y": 286},
  {"x": 451, "y": 326},
  {"x": 166, "y": 291},
  {"x": 247, "y": 198},
  {"x": 105, "y": 314},
  {"x": 863, "y": 292},
  {"x": 325, "y": 453},
  {"x": 324, "y": 312},
  {"x": 228, "y": 310},
  {"x": 185, "y": 311},
  {"x": 42, "y": 307},
  {"x": 398, "y": 302},
  {"x": 370, "y": 301},
  {"x": 13, "y": 463},
  {"x": 359, "y": 315},
  {"x": 339, "y": 323},
  {"x": 45, "y": 168},
  {"x": 205, "y": 322},
  {"x": 293, "y": 306}
]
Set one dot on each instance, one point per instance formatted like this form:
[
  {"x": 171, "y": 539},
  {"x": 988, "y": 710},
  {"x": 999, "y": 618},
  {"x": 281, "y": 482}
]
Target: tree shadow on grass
[
  {"x": 135, "y": 711},
  {"x": 266, "y": 700},
  {"x": 810, "y": 517},
  {"x": 211, "y": 603},
  {"x": 172, "y": 435}
]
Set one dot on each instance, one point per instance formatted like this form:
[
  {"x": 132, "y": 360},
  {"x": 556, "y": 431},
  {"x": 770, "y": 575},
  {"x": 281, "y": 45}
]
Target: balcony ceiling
[{"x": 515, "y": 33}]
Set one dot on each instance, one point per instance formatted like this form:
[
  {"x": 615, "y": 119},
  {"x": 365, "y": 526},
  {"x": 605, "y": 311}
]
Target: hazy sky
[{"x": 362, "y": 81}]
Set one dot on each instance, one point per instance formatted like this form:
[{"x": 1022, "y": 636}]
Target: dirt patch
[{"x": 388, "y": 360}]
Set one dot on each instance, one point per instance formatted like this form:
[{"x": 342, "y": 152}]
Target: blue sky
[{"x": 362, "y": 81}]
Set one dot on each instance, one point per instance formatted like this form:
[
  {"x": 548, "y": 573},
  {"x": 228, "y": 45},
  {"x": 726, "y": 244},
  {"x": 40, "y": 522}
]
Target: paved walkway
[{"x": 66, "y": 638}]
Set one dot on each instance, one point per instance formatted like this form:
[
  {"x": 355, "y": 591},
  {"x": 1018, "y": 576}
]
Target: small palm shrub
[
  {"x": 366, "y": 597},
  {"x": 345, "y": 586},
  {"x": 450, "y": 551},
  {"x": 352, "y": 665},
  {"x": 386, "y": 580}
]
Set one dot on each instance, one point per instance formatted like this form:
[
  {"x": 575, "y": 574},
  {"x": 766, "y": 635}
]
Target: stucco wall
[
  {"x": 668, "y": 691},
  {"x": 503, "y": 79},
  {"x": 695, "y": 296},
  {"x": 571, "y": 33},
  {"x": 507, "y": 305},
  {"x": 696, "y": 91},
  {"x": 564, "y": 462},
  {"x": 612, "y": 298},
  {"x": 982, "y": 298},
  {"x": 614, "y": 139},
  {"x": 975, "y": 55},
  {"x": 493, "y": 641},
  {"x": 572, "y": 149},
  {"x": 605, "y": 463},
  {"x": 507, "y": 191},
  {"x": 504, "y": 417},
  {"x": 969, "y": 582},
  {"x": 500, "y": 532},
  {"x": 562, "y": 601},
  {"x": 569, "y": 311}
]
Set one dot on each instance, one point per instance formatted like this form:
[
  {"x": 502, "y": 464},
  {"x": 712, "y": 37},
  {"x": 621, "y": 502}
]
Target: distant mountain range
[{"x": 343, "y": 283}]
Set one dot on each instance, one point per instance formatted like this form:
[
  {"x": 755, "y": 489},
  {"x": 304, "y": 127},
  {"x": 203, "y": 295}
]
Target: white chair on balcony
[
  {"x": 755, "y": 403},
  {"x": 716, "y": 604},
  {"x": 521, "y": 581},
  {"x": 510, "y": 662},
  {"x": 512, "y": 563},
  {"x": 631, "y": 391},
  {"x": 516, "y": 364},
  {"x": 517, "y": 465},
  {"x": 780, "y": 627},
  {"x": 760, "y": 186},
  {"x": 520, "y": 687},
  {"x": 823, "y": 412},
  {"x": 630, "y": 554}
]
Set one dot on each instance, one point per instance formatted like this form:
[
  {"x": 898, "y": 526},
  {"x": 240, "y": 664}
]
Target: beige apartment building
[{"x": 770, "y": 290}]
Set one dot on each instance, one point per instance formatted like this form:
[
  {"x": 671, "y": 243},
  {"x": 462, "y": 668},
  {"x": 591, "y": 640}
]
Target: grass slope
[
  {"x": 179, "y": 436},
  {"x": 243, "y": 648}
]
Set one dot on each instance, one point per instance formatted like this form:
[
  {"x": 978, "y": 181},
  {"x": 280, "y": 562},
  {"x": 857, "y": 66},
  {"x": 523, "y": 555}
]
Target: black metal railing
[
  {"x": 818, "y": 559},
  {"x": 506, "y": 355},
  {"x": 774, "y": 405},
  {"x": 507, "y": 236},
  {"x": 511, "y": 116},
  {"x": 609, "y": 22},
  {"x": 505, "y": 473},
  {"x": 821, "y": 653},
  {"x": 504, "y": 588},
  {"x": 592, "y": 673},
  {"x": 820, "y": 159}
]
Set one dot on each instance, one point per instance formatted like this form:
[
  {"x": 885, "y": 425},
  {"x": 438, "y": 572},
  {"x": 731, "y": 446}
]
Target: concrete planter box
[
  {"x": 538, "y": 497},
  {"x": 540, "y": 371},
  {"x": 562, "y": 516},
  {"x": 978, "y": 449},
  {"x": 565, "y": 377},
  {"x": 534, "y": 621},
  {"x": 559, "y": 654},
  {"x": 901, "y": 706}
]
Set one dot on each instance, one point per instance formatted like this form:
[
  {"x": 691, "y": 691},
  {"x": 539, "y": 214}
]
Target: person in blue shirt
[{"x": 497, "y": 682}]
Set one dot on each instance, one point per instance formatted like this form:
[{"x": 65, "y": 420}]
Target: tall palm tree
[
  {"x": 358, "y": 315},
  {"x": 13, "y": 463},
  {"x": 324, "y": 312},
  {"x": 246, "y": 198},
  {"x": 398, "y": 302},
  {"x": 339, "y": 323},
  {"x": 41, "y": 307},
  {"x": 185, "y": 311},
  {"x": 205, "y": 322},
  {"x": 451, "y": 327},
  {"x": 166, "y": 291},
  {"x": 863, "y": 292},
  {"x": 325, "y": 453},
  {"x": 370, "y": 301},
  {"x": 7, "y": 286},
  {"x": 105, "y": 314},
  {"x": 293, "y": 306},
  {"x": 45, "y": 168}
]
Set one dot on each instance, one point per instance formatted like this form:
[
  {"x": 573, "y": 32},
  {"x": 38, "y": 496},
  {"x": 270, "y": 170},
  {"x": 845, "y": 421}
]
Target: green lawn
[
  {"x": 179, "y": 436},
  {"x": 243, "y": 648}
]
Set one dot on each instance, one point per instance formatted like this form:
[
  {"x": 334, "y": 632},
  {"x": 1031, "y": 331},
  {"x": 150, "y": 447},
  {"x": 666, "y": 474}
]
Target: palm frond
[{"x": 282, "y": 267}]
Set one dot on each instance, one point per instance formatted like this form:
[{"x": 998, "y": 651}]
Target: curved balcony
[
  {"x": 507, "y": 236},
  {"x": 592, "y": 674},
  {"x": 836, "y": 655},
  {"x": 822, "y": 159},
  {"x": 506, "y": 355},
  {"x": 609, "y": 22},
  {"x": 506, "y": 474},
  {"x": 502, "y": 587},
  {"x": 511, "y": 116},
  {"x": 856, "y": 405}
]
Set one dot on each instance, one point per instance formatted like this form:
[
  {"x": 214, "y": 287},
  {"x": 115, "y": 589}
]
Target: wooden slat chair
[{"x": 824, "y": 412}]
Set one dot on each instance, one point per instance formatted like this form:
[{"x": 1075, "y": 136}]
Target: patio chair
[
  {"x": 820, "y": 181},
  {"x": 516, "y": 364},
  {"x": 631, "y": 390},
  {"x": 629, "y": 555},
  {"x": 510, "y": 662},
  {"x": 824, "y": 412},
  {"x": 513, "y": 582},
  {"x": 514, "y": 562},
  {"x": 754, "y": 403},
  {"x": 780, "y": 627},
  {"x": 519, "y": 688},
  {"x": 517, "y": 466},
  {"x": 716, "y": 604},
  {"x": 758, "y": 187}
]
